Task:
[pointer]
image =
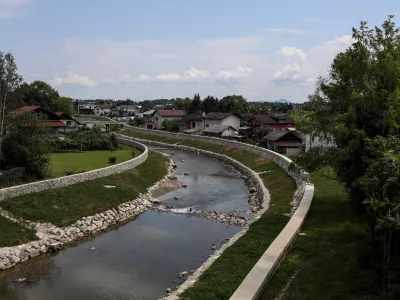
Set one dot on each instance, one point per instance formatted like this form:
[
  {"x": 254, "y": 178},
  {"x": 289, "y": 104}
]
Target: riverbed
[{"x": 143, "y": 258}]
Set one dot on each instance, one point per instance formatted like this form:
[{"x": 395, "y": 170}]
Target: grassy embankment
[
  {"x": 228, "y": 271},
  {"x": 87, "y": 161},
  {"x": 64, "y": 206},
  {"x": 12, "y": 234},
  {"x": 330, "y": 261}
]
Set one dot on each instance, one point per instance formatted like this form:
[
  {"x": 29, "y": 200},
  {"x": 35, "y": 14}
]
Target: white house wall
[
  {"x": 232, "y": 121},
  {"x": 212, "y": 123}
]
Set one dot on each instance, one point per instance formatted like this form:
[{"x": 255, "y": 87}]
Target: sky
[{"x": 151, "y": 49}]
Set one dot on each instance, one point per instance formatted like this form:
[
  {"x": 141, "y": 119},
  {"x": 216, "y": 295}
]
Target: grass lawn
[
  {"x": 12, "y": 234},
  {"x": 87, "y": 161},
  {"x": 64, "y": 206},
  {"x": 228, "y": 271},
  {"x": 330, "y": 261}
]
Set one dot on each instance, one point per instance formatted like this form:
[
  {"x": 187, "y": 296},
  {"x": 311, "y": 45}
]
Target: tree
[
  {"x": 210, "y": 104},
  {"x": 9, "y": 82},
  {"x": 358, "y": 105},
  {"x": 181, "y": 103},
  {"x": 172, "y": 125},
  {"x": 196, "y": 104},
  {"x": 39, "y": 93},
  {"x": 235, "y": 104},
  {"x": 65, "y": 105},
  {"x": 27, "y": 144}
]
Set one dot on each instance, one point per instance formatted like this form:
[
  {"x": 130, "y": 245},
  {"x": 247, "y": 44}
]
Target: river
[{"x": 142, "y": 258}]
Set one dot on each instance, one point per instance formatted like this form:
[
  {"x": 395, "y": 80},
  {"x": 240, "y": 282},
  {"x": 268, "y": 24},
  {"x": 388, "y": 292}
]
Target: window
[
  {"x": 207, "y": 125},
  {"x": 193, "y": 124},
  {"x": 68, "y": 123}
]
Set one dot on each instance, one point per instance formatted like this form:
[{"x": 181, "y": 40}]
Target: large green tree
[
  {"x": 358, "y": 106},
  {"x": 39, "y": 93},
  {"x": 210, "y": 104},
  {"x": 235, "y": 104},
  {"x": 64, "y": 104}
]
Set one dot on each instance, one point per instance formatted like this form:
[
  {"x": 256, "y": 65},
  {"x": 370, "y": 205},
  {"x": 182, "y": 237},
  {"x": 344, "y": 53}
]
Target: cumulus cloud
[
  {"x": 307, "y": 66},
  {"x": 292, "y": 52},
  {"x": 234, "y": 76},
  {"x": 74, "y": 79},
  {"x": 12, "y": 8}
]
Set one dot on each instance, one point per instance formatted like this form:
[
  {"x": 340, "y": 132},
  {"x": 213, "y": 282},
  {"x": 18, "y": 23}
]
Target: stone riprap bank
[{"x": 49, "y": 184}]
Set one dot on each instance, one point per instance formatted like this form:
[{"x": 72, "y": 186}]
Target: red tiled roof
[
  {"x": 59, "y": 113},
  {"x": 24, "y": 108},
  {"x": 44, "y": 124},
  {"x": 171, "y": 113},
  {"x": 105, "y": 106}
]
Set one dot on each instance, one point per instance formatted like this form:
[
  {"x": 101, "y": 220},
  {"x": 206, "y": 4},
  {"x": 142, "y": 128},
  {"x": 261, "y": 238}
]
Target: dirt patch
[
  {"x": 262, "y": 160},
  {"x": 166, "y": 187}
]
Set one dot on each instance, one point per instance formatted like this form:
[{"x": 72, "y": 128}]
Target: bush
[{"x": 112, "y": 159}]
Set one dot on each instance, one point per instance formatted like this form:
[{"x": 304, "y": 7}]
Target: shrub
[{"x": 112, "y": 159}]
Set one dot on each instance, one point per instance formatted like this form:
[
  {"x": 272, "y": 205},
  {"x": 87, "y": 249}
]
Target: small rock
[
  {"x": 184, "y": 185},
  {"x": 169, "y": 290},
  {"x": 176, "y": 198},
  {"x": 186, "y": 174},
  {"x": 302, "y": 234},
  {"x": 18, "y": 280},
  {"x": 213, "y": 247}
]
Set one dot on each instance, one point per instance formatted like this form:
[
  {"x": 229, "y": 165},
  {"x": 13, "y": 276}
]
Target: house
[
  {"x": 217, "y": 118},
  {"x": 56, "y": 123},
  {"x": 221, "y": 131},
  {"x": 71, "y": 124},
  {"x": 148, "y": 119},
  {"x": 103, "y": 109},
  {"x": 315, "y": 140},
  {"x": 161, "y": 115},
  {"x": 193, "y": 122},
  {"x": 274, "y": 122},
  {"x": 284, "y": 142},
  {"x": 86, "y": 108}
]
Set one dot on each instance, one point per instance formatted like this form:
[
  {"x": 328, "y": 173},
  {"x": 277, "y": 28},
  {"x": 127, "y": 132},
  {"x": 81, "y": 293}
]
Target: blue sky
[{"x": 174, "y": 48}]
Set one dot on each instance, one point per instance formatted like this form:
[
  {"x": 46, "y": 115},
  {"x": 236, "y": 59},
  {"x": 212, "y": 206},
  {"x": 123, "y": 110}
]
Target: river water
[{"x": 143, "y": 258}]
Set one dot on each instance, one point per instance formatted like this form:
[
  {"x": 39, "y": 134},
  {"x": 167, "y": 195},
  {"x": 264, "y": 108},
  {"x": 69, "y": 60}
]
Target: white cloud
[
  {"x": 74, "y": 79},
  {"x": 192, "y": 75},
  {"x": 234, "y": 76},
  {"x": 292, "y": 52},
  {"x": 12, "y": 8},
  {"x": 311, "y": 64},
  {"x": 287, "y": 30},
  {"x": 312, "y": 20}
]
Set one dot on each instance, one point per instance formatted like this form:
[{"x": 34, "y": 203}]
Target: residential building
[
  {"x": 103, "y": 109},
  {"x": 221, "y": 131},
  {"x": 274, "y": 122},
  {"x": 71, "y": 124},
  {"x": 148, "y": 119},
  {"x": 217, "y": 118},
  {"x": 86, "y": 108},
  {"x": 56, "y": 123},
  {"x": 315, "y": 140},
  {"x": 193, "y": 121},
  {"x": 284, "y": 142},
  {"x": 161, "y": 115}
]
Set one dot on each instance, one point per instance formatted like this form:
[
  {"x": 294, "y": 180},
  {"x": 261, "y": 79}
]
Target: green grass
[
  {"x": 87, "y": 161},
  {"x": 229, "y": 270},
  {"x": 65, "y": 206},
  {"x": 330, "y": 261},
  {"x": 12, "y": 234}
]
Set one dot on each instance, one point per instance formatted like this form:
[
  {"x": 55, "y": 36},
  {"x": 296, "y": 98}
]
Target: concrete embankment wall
[
  {"x": 256, "y": 281},
  {"x": 76, "y": 178}
]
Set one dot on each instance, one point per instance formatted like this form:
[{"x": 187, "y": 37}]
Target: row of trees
[{"x": 358, "y": 107}]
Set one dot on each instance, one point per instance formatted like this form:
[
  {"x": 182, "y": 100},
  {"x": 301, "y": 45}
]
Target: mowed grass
[
  {"x": 331, "y": 260},
  {"x": 66, "y": 205},
  {"x": 12, "y": 234},
  {"x": 228, "y": 271},
  {"x": 87, "y": 161}
]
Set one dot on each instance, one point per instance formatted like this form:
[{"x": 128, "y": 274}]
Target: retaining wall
[{"x": 76, "y": 178}]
